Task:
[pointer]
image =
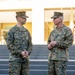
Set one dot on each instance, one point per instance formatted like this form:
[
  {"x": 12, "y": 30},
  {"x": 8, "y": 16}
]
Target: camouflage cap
[
  {"x": 22, "y": 14},
  {"x": 57, "y": 14}
]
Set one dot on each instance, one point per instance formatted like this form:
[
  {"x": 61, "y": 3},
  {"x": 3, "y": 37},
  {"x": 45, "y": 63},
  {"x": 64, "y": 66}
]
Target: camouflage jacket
[
  {"x": 64, "y": 38},
  {"x": 18, "y": 39}
]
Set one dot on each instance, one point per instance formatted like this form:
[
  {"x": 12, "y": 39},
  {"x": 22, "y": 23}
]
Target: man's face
[
  {"x": 57, "y": 20},
  {"x": 22, "y": 20}
]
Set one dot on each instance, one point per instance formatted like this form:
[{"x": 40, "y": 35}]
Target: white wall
[{"x": 17, "y": 4}]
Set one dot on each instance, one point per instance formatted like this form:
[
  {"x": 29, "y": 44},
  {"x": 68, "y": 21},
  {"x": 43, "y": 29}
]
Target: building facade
[{"x": 39, "y": 23}]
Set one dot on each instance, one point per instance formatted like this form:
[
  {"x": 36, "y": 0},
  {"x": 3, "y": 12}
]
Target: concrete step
[
  {"x": 37, "y": 72},
  {"x": 37, "y": 61},
  {"x": 39, "y": 67}
]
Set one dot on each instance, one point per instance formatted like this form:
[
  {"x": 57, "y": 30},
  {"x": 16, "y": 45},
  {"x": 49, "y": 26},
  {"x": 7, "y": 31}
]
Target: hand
[
  {"x": 49, "y": 46},
  {"x": 24, "y": 54},
  {"x": 53, "y": 43}
]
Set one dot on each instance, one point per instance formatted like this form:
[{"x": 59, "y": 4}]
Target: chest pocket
[
  {"x": 25, "y": 36},
  {"x": 18, "y": 35},
  {"x": 21, "y": 36},
  {"x": 59, "y": 36},
  {"x": 17, "y": 38}
]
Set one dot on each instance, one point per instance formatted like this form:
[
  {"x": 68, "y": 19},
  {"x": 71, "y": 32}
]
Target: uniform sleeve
[
  {"x": 10, "y": 44},
  {"x": 68, "y": 40},
  {"x": 49, "y": 40},
  {"x": 29, "y": 44}
]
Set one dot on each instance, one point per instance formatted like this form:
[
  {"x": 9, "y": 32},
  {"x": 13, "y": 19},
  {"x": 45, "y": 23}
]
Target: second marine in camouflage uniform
[{"x": 59, "y": 53}]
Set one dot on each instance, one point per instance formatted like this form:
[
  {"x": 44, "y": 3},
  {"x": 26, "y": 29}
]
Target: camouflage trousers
[
  {"x": 56, "y": 67},
  {"x": 18, "y": 68}
]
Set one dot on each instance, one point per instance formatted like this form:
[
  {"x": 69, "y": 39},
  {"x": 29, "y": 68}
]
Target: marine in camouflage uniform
[
  {"x": 59, "y": 41},
  {"x": 19, "y": 40}
]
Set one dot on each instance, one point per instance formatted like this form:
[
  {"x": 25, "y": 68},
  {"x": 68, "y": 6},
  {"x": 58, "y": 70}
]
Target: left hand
[
  {"x": 49, "y": 46},
  {"x": 53, "y": 43}
]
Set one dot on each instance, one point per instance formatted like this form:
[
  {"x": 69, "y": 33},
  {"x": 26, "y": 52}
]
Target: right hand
[
  {"x": 49, "y": 46},
  {"x": 24, "y": 54}
]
